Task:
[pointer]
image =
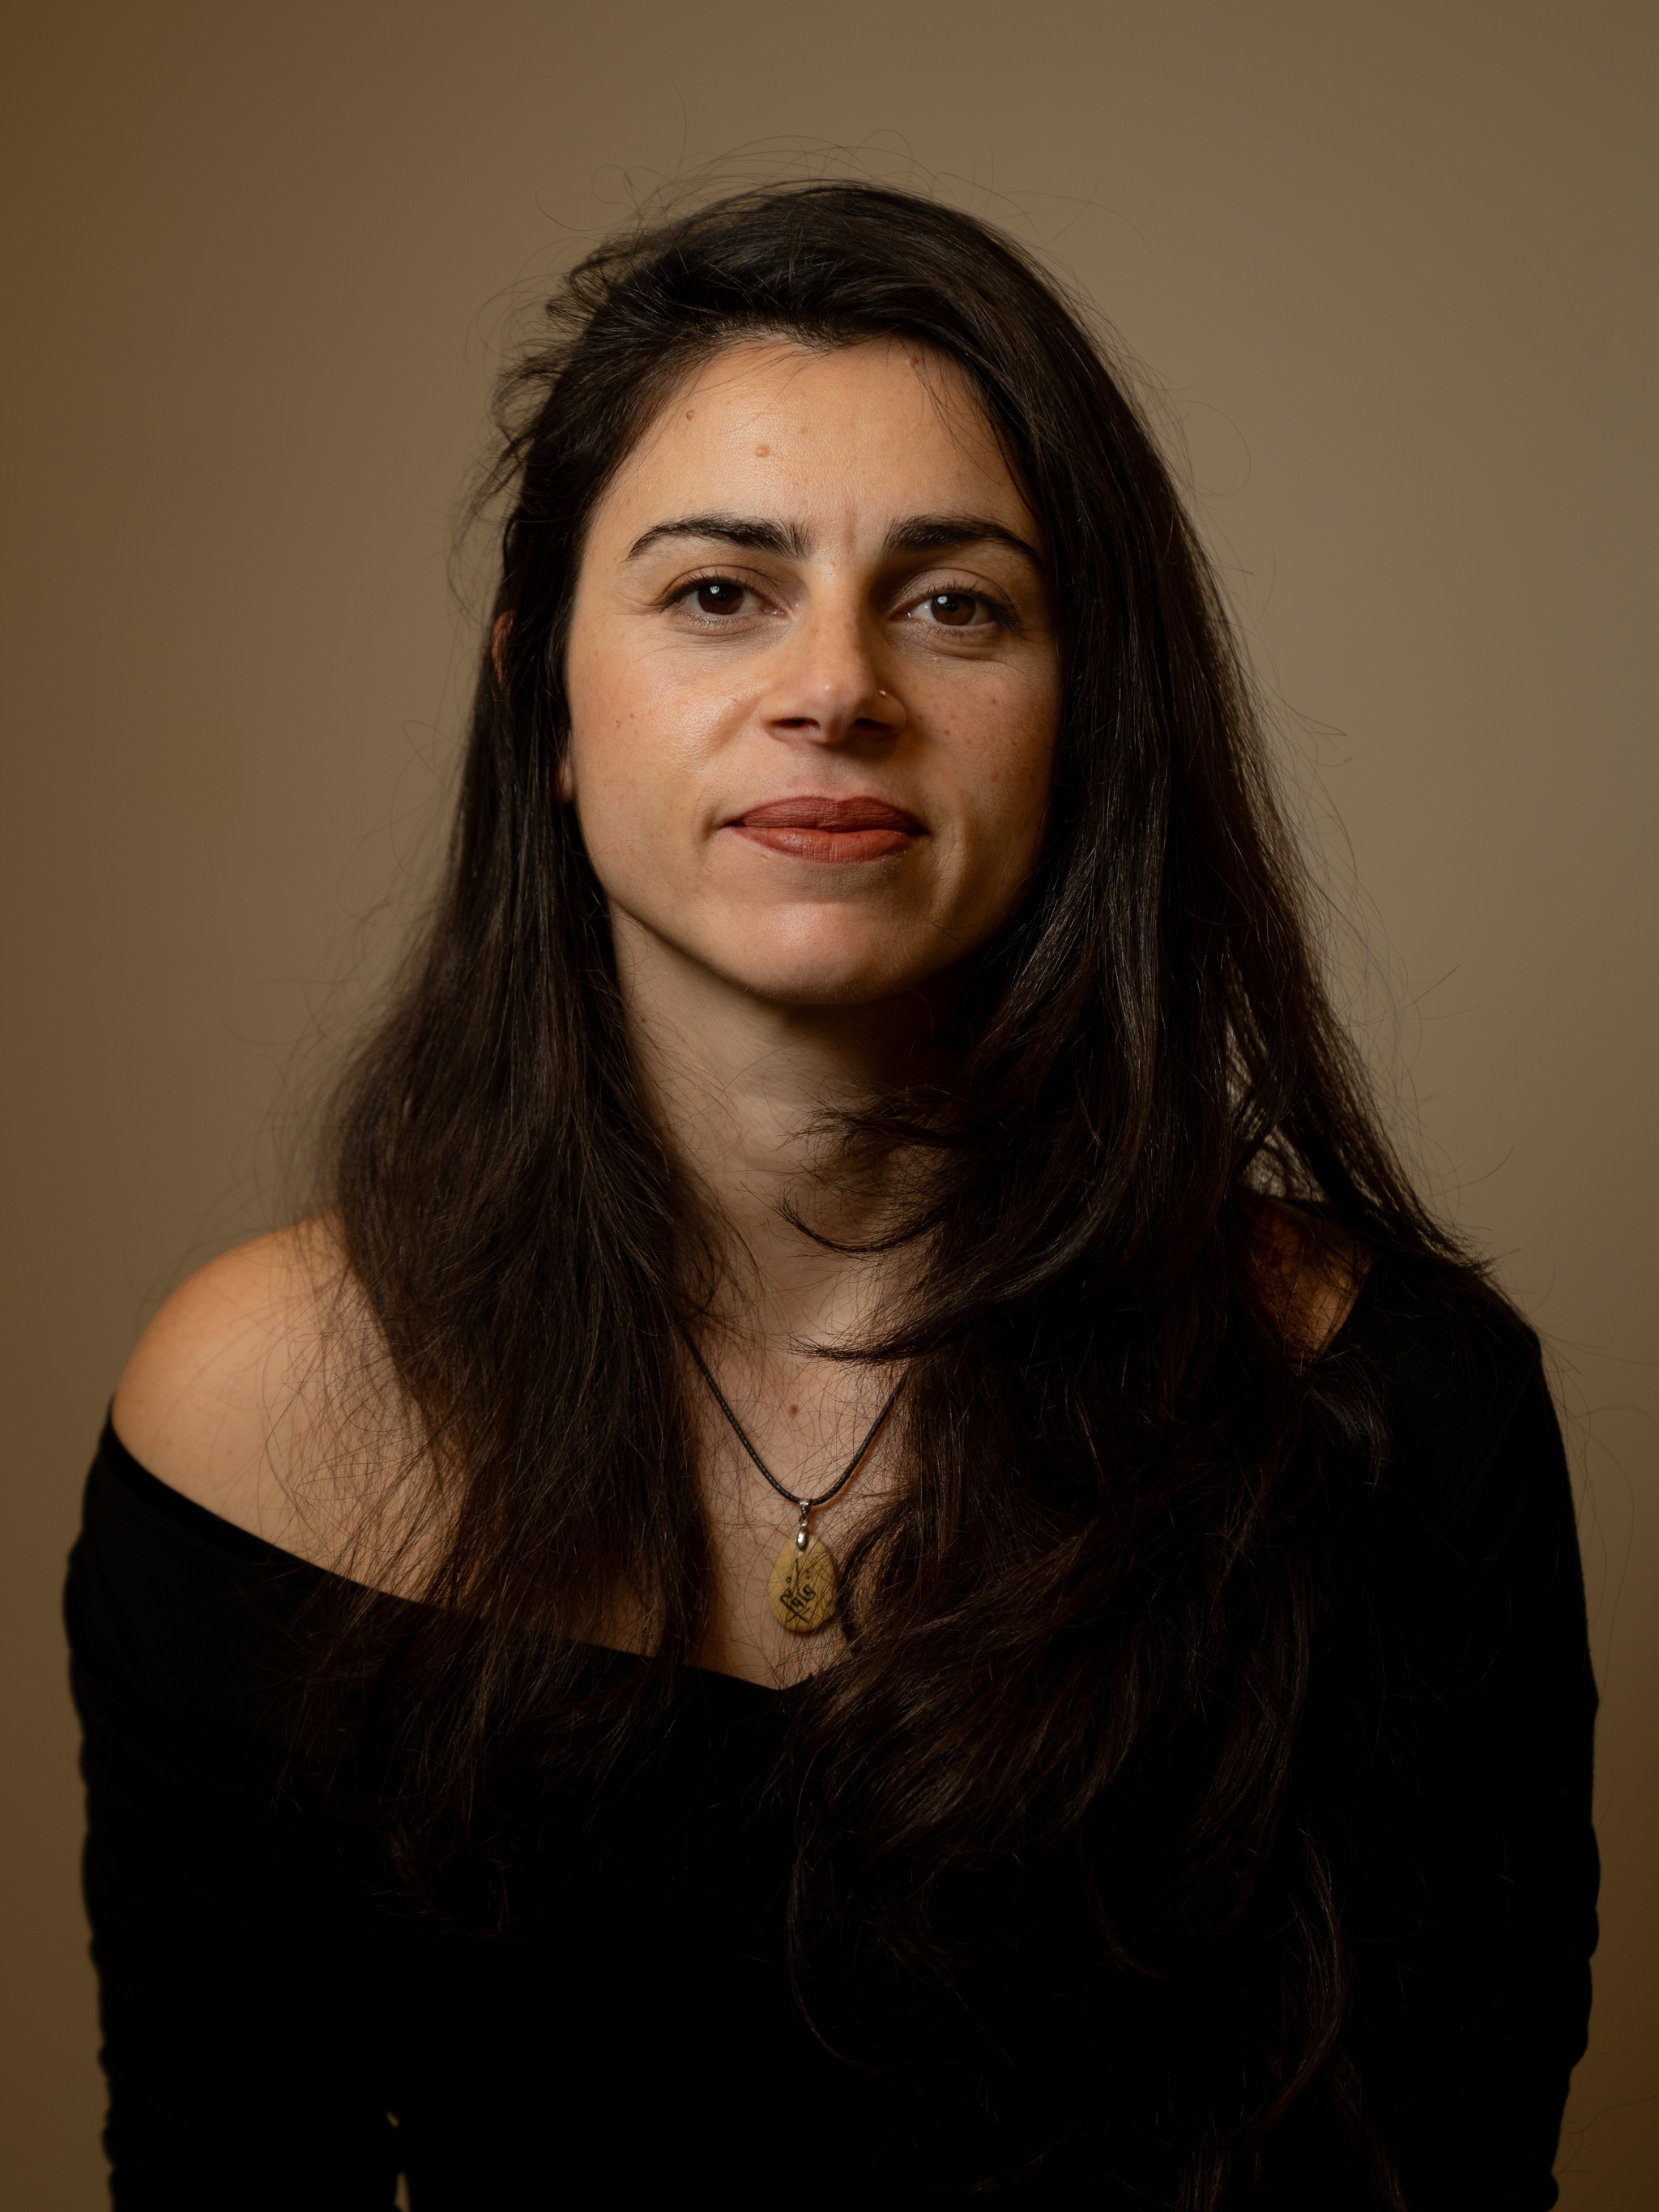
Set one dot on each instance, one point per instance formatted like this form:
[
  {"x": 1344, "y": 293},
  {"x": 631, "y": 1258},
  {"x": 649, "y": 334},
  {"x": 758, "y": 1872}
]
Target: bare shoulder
[
  {"x": 223, "y": 1389},
  {"x": 1311, "y": 1272}
]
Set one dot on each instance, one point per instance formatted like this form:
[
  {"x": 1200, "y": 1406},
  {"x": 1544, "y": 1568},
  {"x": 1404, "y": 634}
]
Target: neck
[{"x": 740, "y": 1086}]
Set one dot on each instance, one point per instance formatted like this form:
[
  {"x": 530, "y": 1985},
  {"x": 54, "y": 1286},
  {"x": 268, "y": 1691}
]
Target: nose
[{"x": 826, "y": 687}]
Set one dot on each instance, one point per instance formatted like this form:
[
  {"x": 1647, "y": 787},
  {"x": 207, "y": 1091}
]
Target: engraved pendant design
[{"x": 802, "y": 1589}]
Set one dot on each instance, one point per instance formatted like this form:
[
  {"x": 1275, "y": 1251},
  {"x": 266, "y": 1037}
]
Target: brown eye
[
  {"x": 954, "y": 609},
  {"x": 718, "y": 597}
]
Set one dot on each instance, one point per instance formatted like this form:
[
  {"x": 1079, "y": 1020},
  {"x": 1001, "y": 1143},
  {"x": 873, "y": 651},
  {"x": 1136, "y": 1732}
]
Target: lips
[{"x": 821, "y": 829}]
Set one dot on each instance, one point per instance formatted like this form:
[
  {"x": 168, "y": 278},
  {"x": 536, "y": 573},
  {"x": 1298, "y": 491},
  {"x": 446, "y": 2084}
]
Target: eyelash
[{"x": 999, "y": 611}]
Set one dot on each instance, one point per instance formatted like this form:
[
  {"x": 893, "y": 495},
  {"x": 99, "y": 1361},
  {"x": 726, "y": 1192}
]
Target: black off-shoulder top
[{"x": 282, "y": 2030}]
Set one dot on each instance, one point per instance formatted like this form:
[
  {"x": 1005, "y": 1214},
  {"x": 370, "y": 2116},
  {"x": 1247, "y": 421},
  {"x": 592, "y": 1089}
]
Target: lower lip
[{"x": 838, "y": 846}]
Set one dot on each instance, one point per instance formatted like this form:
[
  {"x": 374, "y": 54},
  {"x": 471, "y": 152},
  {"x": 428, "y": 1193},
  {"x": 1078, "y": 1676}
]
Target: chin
[
  {"x": 819, "y": 968},
  {"x": 792, "y": 955}
]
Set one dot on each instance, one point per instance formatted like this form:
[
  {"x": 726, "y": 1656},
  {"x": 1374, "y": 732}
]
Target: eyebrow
[
  {"x": 937, "y": 533},
  {"x": 750, "y": 532},
  {"x": 919, "y": 533}
]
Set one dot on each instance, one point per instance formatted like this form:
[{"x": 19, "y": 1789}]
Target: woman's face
[{"x": 812, "y": 677}]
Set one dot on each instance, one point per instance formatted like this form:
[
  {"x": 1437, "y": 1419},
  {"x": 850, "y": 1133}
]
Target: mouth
[{"x": 836, "y": 829}]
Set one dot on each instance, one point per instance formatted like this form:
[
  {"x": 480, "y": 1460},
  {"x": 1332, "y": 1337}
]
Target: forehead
[{"x": 858, "y": 435}]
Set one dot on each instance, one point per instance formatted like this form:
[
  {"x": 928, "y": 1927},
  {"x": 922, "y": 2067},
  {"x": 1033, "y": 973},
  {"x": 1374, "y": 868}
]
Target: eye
[
  {"x": 959, "y": 610},
  {"x": 715, "y": 595}
]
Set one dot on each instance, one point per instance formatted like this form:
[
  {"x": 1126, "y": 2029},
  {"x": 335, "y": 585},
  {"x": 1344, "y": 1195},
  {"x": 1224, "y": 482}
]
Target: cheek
[
  {"x": 1010, "y": 753},
  {"x": 599, "y": 771},
  {"x": 608, "y": 756},
  {"x": 634, "y": 716},
  {"x": 631, "y": 769},
  {"x": 597, "y": 703}
]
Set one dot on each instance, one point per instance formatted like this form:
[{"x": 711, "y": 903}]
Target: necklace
[{"x": 801, "y": 1591}]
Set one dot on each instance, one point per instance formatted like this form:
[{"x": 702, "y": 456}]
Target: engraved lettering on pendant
[{"x": 802, "y": 1589}]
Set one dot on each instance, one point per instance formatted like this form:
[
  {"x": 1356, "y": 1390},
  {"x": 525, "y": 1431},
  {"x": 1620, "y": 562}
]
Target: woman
[{"x": 874, "y": 1546}]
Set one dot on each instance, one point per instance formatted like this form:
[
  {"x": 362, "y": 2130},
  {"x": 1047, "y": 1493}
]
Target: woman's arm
[
  {"x": 240, "y": 2041},
  {"x": 1478, "y": 1870}
]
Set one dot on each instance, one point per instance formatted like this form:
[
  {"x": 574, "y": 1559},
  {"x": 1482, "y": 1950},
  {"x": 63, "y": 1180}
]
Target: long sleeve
[
  {"x": 1477, "y": 1873},
  {"x": 238, "y": 2035}
]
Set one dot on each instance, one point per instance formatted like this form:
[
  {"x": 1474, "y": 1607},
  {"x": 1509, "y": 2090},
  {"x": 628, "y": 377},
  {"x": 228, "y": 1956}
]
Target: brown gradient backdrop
[{"x": 1389, "y": 264}]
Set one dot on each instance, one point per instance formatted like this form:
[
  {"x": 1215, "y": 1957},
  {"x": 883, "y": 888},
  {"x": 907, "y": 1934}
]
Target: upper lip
[{"x": 817, "y": 812}]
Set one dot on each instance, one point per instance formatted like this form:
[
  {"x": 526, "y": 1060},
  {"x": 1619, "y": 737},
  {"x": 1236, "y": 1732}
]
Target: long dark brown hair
[{"x": 1084, "y": 1631}]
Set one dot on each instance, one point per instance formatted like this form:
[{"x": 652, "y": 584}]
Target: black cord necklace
[{"x": 802, "y": 1589}]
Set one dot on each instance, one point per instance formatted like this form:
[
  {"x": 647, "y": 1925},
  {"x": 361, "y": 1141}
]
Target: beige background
[{"x": 1391, "y": 265}]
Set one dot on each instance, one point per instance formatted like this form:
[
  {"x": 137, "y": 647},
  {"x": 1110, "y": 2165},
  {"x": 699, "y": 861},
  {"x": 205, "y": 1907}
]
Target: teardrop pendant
[{"x": 802, "y": 1589}]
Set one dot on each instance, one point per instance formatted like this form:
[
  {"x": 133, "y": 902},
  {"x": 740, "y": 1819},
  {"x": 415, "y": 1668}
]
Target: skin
[{"x": 813, "y": 586}]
